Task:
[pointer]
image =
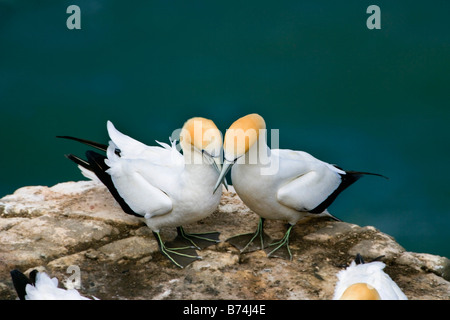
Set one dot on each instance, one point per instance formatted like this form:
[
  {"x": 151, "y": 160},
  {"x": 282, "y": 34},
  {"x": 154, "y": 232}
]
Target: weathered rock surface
[{"x": 80, "y": 224}]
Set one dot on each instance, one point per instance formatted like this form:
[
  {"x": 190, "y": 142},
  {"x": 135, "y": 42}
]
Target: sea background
[{"x": 367, "y": 100}]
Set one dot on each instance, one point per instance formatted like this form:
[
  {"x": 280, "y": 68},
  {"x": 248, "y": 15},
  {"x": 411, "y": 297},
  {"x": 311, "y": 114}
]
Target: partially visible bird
[
  {"x": 158, "y": 183},
  {"x": 366, "y": 281},
  {"x": 277, "y": 184},
  {"x": 41, "y": 287}
]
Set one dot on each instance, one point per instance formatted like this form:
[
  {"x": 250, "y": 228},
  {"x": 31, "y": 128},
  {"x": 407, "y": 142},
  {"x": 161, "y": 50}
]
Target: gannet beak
[
  {"x": 226, "y": 167},
  {"x": 218, "y": 165}
]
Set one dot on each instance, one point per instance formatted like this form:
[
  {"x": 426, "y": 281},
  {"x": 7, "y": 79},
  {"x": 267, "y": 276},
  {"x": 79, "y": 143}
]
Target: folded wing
[
  {"x": 137, "y": 175},
  {"x": 308, "y": 182}
]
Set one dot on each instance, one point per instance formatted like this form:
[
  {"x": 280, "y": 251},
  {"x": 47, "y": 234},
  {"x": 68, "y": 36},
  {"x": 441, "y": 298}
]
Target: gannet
[
  {"x": 41, "y": 287},
  {"x": 278, "y": 184},
  {"x": 167, "y": 188},
  {"x": 366, "y": 281}
]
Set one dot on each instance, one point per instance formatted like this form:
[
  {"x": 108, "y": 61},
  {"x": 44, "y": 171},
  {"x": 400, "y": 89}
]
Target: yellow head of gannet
[
  {"x": 360, "y": 291},
  {"x": 242, "y": 135},
  {"x": 239, "y": 138},
  {"x": 366, "y": 281},
  {"x": 201, "y": 134}
]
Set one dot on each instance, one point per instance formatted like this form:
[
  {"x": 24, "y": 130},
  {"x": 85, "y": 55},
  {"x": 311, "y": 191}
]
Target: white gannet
[
  {"x": 41, "y": 287},
  {"x": 277, "y": 184},
  {"x": 167, "y": 188},
  {"x": 366, "y": 281}
]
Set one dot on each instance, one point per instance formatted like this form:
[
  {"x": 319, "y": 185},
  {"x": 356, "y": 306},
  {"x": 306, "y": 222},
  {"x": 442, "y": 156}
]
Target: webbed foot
[
  {"x": 280, "y": 248},
  {"x": 178, "y": 253},
  {"x": 197, "y": 240},
  {"x": 249, "y": 242}
]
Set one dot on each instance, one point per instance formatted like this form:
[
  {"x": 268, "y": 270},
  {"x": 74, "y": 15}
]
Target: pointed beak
[
  {"x": 218, "y": 165},
  {"x": 226, "y": 167}
]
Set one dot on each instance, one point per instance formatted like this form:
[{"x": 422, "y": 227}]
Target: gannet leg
[
  {"x": 249, "y": 242},
  {"x": 180, "y": 256},
  {"x": 280, "y": 248},
  {"x": 197, "y": 240}
]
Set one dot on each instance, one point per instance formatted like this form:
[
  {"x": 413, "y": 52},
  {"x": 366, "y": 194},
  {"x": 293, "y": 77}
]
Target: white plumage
[
  {"x": 277, "y": 184},
  {"x": 371, "y": 274},
  {"x": 46, "y": 288},
  {"x": 42, "y": 287},
  {"x": 159, "y": 183},
  {"x": 300, "y": 184},
  {"x": 167, "y": 188}
]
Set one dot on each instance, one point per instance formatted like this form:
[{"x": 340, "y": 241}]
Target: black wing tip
[
  {"x": 348, "y": 179},
  {"x": 15, "y": 274},
  {"x": 96, "y": 163},
  {"x": 93, "y": 144},
  {"x": 359, "y": 174},
  {"x": 98, "y": 166},
  {"x": 334, "y": 218},
  {"x": 33, "y": 275},
  {"x": 79, "y": 161},
  {"x": 96, "y": 159},
  {"x": 20, "y": 281}
]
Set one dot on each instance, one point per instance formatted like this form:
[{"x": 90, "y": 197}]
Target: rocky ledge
[{"x": 79, "y": 226}]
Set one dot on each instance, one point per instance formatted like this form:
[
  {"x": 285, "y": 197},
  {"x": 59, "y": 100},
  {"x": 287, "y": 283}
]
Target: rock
[
  {"x": 79, "y": 224},
  {"x": 128, "y": 248}
]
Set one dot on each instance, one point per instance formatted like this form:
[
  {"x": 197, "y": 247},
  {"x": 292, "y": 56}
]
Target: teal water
[{"x": 369, "y": 100}]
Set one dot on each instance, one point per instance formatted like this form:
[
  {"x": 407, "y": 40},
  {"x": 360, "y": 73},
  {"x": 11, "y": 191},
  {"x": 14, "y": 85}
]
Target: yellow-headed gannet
[
  {"x": 366, "y": 281},
  {"x": 167, "y": 188},
  {"x": 277, "y": 184}
]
